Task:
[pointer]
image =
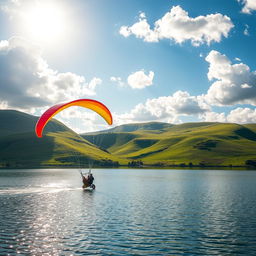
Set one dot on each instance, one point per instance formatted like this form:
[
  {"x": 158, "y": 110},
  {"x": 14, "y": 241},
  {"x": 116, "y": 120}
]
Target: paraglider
[{"x": 94, "y": 105}]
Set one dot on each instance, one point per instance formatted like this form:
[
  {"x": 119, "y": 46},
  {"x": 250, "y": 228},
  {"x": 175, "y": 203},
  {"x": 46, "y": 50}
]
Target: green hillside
[
  {"x": 197, "y": 143},
  {"x": 153, "y": 127},
  {"x": 20, "y": 147},
  {"x": 153, "y": 143}
]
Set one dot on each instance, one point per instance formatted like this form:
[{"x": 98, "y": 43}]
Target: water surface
[{"x": 132, "y": 212}]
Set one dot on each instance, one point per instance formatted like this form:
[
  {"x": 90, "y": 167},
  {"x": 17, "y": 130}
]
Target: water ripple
[{"x": 132, "y": 212}]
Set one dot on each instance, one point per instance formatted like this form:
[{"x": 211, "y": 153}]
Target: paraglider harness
[{"x": 88, "y": 181}]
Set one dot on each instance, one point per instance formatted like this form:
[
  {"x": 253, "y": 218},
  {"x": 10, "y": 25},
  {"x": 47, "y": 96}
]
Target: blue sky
[{"x": 92, "y": 52}]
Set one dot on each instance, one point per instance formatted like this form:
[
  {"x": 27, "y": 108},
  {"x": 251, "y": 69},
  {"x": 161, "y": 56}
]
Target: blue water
[{"x": 131, "y": 212}]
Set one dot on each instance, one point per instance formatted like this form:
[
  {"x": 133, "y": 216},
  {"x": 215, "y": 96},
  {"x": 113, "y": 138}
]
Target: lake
[{"x": 131, "y": 212}]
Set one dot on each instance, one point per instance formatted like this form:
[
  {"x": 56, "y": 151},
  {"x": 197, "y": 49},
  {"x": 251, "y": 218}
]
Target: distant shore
[{"x": 194, "y": 167}]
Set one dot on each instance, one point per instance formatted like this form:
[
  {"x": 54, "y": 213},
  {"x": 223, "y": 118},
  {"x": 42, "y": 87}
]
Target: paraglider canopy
[{"x": 94, "y": 105}]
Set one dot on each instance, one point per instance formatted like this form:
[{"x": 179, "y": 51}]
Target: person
[
  {"x": 87, "y": 181},
  {"x": 90, "y": 178}
]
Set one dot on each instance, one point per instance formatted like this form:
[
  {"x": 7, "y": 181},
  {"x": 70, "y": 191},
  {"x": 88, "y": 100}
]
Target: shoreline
[{"x": 217, "y": 167}]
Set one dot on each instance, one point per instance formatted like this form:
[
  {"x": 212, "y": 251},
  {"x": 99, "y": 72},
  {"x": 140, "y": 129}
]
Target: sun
[{"x": 44, "y": 22}]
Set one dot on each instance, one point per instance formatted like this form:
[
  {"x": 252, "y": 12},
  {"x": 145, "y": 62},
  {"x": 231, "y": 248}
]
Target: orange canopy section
[{"x": 94, "y": 105}]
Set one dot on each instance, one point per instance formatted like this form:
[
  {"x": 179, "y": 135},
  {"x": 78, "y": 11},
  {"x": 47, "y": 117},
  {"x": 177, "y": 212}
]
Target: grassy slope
[
  {"x": 219, "y": 144},
  {"x": 211, "y": 143},
  {"x": 154, "y": 127},
  {"x": 59, "y": 146},
  {"x": 14, "y": 122}
]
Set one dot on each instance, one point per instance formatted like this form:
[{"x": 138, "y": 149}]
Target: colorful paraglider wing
[{"x": 94, "y": 105}]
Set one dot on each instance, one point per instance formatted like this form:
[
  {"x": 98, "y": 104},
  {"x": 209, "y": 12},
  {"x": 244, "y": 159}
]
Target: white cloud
[
  {"x": 136, "y": 80},
  {"x": 167, "y": 108},
  {"x": 26, "y": 81},
  {"x": 249, "y": 6},
  {"x": 124, "y": 31},
  {"x": 213, "y": 117},
  {"x": 92, "y": 85},
  {"x": 242, "y": 115},
  {"x": 235, "y": 83},
  {"x": 140, "y": 80},
  {"x": 238, "y": 115},
  {"x": 82, "y": 120},
  {"x": 140, "y": 29},
  {"x": 176, "y": 25},
  {"x": 142, "y": 15}
]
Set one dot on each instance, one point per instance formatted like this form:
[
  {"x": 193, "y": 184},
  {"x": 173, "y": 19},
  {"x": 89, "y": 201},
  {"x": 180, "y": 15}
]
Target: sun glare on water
[{"x": 44, "y": 22}]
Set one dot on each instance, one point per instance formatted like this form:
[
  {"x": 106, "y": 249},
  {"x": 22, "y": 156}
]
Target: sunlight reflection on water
[{"x": 132, "y": 212}]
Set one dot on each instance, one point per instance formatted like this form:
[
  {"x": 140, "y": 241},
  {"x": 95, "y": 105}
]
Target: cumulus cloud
[
  {"x": 167, "y": 108},
  {"x": 26, "y": 81},
  {"x": 242, "y": 115},
  {"x": 249, "y": 6},
  {"x": 140, "y": 29},
  {"x": 234, "y": 83},
  {"x": 140, "y": 80},
  {"x": 136, "y": 80},
  {"x": 238, "y": 115},
  {"x": 176, "y": 25}
]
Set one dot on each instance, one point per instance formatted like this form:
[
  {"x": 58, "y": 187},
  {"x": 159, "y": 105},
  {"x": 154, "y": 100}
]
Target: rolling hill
[
  {"x": 153, "y": 143},
  {"x": 154, "y": 127},
  {"x": 60, "y": 146},
  {"x": 202, "y": 143}
]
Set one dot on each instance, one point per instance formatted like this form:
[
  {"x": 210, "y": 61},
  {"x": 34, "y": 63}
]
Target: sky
[{"x": 170, "y": 61}]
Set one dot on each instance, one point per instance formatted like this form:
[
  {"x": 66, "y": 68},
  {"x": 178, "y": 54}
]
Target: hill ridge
[
  {"x": 60, "y": 146},
  {"x": 199, "y": 143},
  {"x": 153, "y": 143}
]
